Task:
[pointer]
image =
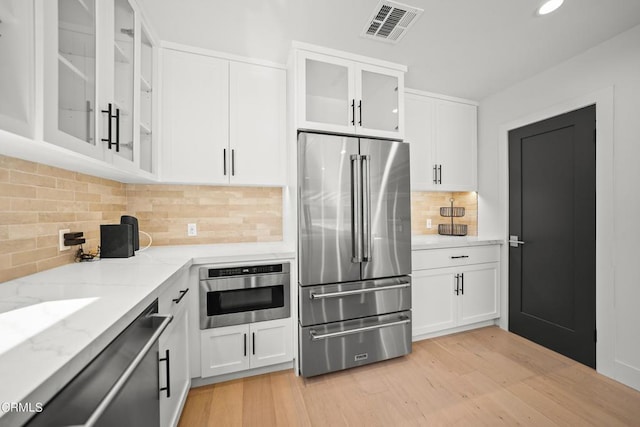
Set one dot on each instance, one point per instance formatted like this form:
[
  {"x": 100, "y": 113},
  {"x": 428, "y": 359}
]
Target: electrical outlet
[
  {"x": 429, "y": 223},
  {"x": 192, "y": 230},
  {"x": 61, "y": 245}
]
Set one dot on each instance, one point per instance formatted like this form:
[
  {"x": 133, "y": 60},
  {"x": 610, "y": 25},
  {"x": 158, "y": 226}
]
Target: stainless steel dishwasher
[{"x": 120, "y": 387}]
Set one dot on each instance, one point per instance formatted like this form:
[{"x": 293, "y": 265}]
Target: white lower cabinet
[
  {"x": 176, "y": 379},
  {"x": 446, "y": 297},
  {"x": 173, "y": 355},
  {"x": 434, "y": 304},
  {"x": 478, "y": 299},
  {"x": 236, "y": 348}
]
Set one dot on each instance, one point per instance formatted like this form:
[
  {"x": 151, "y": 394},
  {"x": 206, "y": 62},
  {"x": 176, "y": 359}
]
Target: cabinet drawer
[
  {"x": 451, "y": 257},
  {"x": 175, "y": 296}
]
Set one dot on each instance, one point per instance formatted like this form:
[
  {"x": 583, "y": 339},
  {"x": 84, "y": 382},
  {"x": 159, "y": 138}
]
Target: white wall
[{"x": 608, "y": 74}]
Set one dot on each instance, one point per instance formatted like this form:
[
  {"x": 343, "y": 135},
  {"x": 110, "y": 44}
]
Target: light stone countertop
[
  {"x": 437, "y": 241},
  {"x": 54, "y": 322}
]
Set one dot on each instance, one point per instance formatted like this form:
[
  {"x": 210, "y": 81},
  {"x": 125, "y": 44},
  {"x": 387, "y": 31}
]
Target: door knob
[{"x": 514, "y": 242}]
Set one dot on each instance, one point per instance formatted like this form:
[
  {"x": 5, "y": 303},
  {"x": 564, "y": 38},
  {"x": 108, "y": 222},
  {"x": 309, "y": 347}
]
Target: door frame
[{"x": 605, "y": 285}]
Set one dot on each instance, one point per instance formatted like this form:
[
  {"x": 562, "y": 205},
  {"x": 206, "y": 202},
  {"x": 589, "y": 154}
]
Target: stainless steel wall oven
[{"x": 237, "y": 295}]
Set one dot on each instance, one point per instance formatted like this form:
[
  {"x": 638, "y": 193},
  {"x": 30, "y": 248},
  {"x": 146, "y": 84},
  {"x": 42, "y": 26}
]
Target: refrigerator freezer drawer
[
  {"x": 337, "y": 302},
  {"x": 342, "y": 345}
]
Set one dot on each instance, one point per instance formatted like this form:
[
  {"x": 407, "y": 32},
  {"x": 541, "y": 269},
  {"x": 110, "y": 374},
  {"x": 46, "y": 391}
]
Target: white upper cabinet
[
  {"x": 224, "y": 122},
  {"x": 443, "y": 138},
  {"x": 124, "y": 38},
  {"x": 257, "y": 126},
  {"x": 17, "y": 68},
  {"x": 380, "y": 101},
  {"x": 456, "y": 145},
  {"x": 71, "y": 65},
  {"x": 92, "y": 54},
  {"x": 195, "y": 118},
  {"x": 327, "y": 93},
  {"x": 345, "y": 95},
  {"x": 419, "y": 118},
  {"x": 147, "y": 63}
]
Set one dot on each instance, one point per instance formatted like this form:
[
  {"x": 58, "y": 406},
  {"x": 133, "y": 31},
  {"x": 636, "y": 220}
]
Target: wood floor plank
[
  {"x": 197, "y": 407},
  {"x": 258, "y": 404},
  {"x": 227, "y": 404},
  {"x": 290, "y": 408},
  {"x": 482, "y": 377}
]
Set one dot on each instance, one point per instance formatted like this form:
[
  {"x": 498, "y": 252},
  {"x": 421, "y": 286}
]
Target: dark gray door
[
  {"x": 386, "y": 208},
  {"x": 327, "y": 217},
  {"x": 552, "y": 210}
]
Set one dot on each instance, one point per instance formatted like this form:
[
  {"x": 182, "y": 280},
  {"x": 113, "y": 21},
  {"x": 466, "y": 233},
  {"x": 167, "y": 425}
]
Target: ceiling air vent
[{"x": 390, "y": 21}]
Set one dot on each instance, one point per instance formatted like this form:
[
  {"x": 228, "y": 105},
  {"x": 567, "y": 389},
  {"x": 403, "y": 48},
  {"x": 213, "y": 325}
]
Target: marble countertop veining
[
  {"x": 437, "y": 241},
  {"x": 54, "y": 322}
]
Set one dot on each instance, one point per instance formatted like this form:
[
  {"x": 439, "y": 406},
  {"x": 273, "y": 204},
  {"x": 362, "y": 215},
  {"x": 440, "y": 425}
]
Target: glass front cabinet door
[
  {"x": 381, "y": 101},
  {"x": 145, "y": 121},
  {"x": 328, "y": 93},
  {"x": 344, "y": 96},
  {"x": 123, "y": 43},
  {"x": 70, "y": 74},
  {"x": 95, "y": 54}
]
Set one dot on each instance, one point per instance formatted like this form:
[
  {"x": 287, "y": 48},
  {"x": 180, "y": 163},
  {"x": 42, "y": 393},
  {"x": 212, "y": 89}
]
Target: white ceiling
[{"x": 465, "y": 48}]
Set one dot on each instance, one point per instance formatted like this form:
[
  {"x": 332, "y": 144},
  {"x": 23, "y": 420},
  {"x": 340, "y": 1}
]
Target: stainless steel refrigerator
[{"x": 354, "y": 251}]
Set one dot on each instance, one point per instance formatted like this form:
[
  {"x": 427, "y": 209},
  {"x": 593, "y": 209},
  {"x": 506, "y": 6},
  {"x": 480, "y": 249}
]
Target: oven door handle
[
  {"x": 120, "y": 383},
  {"x": 313, "y": 295},
  {"x": 316, "y": 337}
]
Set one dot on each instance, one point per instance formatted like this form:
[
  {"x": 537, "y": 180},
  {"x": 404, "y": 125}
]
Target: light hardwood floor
[{"x": 483, "y": 377}]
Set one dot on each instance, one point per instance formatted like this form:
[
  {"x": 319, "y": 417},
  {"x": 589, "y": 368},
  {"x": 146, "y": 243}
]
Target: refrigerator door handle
[
  {"x": 315, "y": 336},
  {"x": 366, "y": 208},
  {"x": 340, "y": 294},
  {"x": 356, "y": 208}
]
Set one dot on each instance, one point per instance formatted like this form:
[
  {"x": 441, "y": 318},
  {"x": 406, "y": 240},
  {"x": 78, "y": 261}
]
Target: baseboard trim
[
  {"x": 199, "y": 382},
  {"x": 454, "y": 330}
]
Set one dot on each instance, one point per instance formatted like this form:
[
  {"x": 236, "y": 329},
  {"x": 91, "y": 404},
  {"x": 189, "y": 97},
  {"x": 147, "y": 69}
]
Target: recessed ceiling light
[{"x": 549, "y": 6}]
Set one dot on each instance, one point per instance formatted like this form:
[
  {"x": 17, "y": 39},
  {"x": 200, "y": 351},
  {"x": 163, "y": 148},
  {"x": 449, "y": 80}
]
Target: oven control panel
[{"x": 250, "y": 270}]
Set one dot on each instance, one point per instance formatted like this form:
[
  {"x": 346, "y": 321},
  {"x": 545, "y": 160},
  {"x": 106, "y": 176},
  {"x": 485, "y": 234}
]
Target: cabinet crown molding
[
  {"x": 296, "y": 45},
  {"x": 221, "y": 55}
]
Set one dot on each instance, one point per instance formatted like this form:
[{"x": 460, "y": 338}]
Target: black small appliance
[
  {"x": 127, "y": 219},
  {"x": 116, "y": 241}
]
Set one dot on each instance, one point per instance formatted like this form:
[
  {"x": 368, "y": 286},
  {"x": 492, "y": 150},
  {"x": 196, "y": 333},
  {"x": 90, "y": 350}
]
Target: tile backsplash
[
  {"x": 38, "y": 200},
  {"x": 426, "y": 205},
  {"x": 221, "y": 214}
]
